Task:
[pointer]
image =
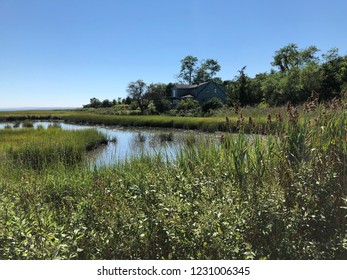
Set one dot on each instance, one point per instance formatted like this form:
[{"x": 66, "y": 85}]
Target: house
[{"x": 202, "y": 92}]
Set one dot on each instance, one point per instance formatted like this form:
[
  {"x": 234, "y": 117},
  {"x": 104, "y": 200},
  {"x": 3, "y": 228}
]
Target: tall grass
[
  {"x": 248, "y": 197},
  {"x": 208, "y": 124},
  {"x": 40, "y": 148}
]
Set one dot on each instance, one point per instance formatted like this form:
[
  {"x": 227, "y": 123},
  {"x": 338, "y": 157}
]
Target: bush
[
  {"x": 188, "y": 104},
  {"x": 212, "y": 104}
]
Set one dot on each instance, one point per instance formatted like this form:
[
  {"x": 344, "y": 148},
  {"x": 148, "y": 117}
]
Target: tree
[
  {"x": 290, "y": 56},
  {"x": 334, "y": 74},
  {"x": 94, "y": 103},
  {"x": 106, "y": 103},
  {"x": 194, "y": 72},
  {"x": 239, "y": 90},
  {"x": 188, "y": 68},
  {"x": 157, "y": 93},
  {"x": 207, "y": 70},
  {"x": 137, "y": 91}
]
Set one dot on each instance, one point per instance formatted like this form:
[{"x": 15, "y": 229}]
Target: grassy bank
[
  {"x": 251, "y": 120},
  {"x": 41, "y": 148},
  {"x": 279, "y": 197}
]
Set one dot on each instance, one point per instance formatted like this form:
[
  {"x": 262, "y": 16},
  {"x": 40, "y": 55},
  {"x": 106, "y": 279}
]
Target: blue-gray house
[{"x": 202, "y": 92}]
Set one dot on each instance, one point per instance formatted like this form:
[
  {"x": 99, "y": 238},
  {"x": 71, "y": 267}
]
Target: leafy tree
[
  {"x": 255, "y": 93},
  {"x": 94, "y": 103},
  {"x": 271, "y": 88},
  {"x": 242, "y": 87},
  {"x": 128, "y": 100},
  {"x": 137, "y": 92},
  {"x": 310, "y": 80},
  {"x": 230, "y": 90},
  {"x": 334, "y": 74},
  {"x": 194, "y": 72},
  {"x": 106, "y": 103},
  {"x": 290, "y": 56},
  {"x": 207, "y": 70},
  {"x": 157, "y": 93},
  {"x": 188, "y": 68}
]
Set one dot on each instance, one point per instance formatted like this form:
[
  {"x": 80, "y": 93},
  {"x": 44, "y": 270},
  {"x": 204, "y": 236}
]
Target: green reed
[{"x": 40, "y": 148}]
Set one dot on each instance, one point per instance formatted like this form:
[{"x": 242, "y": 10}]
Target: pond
[{"x": 128, "y": 142}]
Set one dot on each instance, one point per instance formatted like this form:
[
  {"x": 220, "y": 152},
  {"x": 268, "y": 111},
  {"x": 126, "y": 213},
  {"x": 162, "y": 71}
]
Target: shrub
[
  {"x": 212, "y": 104},
  {"x": 188, "y": 104},
  {"x": 28, "y": 123}
]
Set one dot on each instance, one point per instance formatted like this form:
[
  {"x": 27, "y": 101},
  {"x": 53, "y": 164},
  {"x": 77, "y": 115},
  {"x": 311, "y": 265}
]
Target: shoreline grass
[
  {"x": 41, "y": 148},
  {"x": 231, "y": 122}
]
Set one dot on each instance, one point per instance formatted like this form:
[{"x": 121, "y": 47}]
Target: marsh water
[{"x": 128, "y": 142}]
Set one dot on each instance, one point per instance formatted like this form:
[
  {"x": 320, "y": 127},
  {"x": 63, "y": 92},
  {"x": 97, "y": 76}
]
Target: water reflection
[{"x": 125, "y": 143}]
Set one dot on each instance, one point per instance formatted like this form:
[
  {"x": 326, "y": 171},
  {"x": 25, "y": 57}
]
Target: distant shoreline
[{"x": 35, "y": 109}]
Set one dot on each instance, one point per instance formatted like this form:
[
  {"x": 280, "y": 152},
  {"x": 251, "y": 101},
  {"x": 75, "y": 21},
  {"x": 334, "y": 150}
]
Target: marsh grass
[
  {"x": 28, "y": 123},
  {"x": 166, "y": 137},
  {"x": 277, "y": 197},
  {"x": 41, "y": 148}
]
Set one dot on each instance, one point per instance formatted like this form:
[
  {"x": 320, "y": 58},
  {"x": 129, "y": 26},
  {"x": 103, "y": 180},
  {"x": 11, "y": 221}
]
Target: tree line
[{"x": 296, "y": 74}]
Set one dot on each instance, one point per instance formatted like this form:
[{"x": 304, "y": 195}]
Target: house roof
[
  {"x": 185, "y": 86},
  {"x": 195, "y": 90},
  {"x": 187, "y": 96},
  {"x": 182, "y": 86}
]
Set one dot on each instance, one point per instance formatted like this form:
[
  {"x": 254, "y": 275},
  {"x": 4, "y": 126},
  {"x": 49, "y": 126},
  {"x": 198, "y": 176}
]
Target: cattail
[
  {"x": 289, "y": 106},
  {"x": 335, "y": 104},
  {"x": 269, "y": 118},
  {"x": 293, "y": 115},
  {"x": 222, "y": 139},
  {"x": 312, "y": 105},
  {"x": 306, "y": 107},
  {"x": 237, "y": 107},
  {"x": 278, "y": 117},
  {"x": 250, "y": 121}
]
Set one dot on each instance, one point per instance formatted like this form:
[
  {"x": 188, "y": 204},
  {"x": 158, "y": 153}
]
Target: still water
[{"x": 128, "y": 142}]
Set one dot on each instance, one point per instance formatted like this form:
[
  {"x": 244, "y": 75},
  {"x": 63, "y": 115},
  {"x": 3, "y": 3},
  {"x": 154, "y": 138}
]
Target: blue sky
[{"x": 63, "y": 52}]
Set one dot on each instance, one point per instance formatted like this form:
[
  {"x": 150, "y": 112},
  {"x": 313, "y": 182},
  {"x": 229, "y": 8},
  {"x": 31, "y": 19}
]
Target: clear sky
[{"x": 63, "y": 52}]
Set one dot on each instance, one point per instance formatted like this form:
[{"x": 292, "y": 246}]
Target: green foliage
[
  {"x": 137, "y": 92},
  {"x": 212, "y": 104},
  {"x": 166, "y": 137},
  {"x": 290, "y": 57},
  {"x": 39, "y": 149},
  {"x": 195, "y": 72},
  {"x": 28, "y": 123},
  {"x": 189, "y": 105}
]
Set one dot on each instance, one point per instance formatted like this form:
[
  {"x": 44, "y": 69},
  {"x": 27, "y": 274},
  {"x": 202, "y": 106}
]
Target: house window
[
  {"x": 174, "y": 93},
  {"x": 215, "y": 90}
]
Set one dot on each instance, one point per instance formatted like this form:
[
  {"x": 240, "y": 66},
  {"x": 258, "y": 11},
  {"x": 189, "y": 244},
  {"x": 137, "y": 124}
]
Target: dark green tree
[
  {"x": 333, "y": 74},
  {"x": 137, "y": 92},
  {"x": 94, "y": 103},
  {"x": 157, "y": 93},
  {"x": 188, "y": 68},
  {"x": 290, "y": 56},
  {"x": 206, "y": 72},
  {"x": 106, "y": 103},
  {"x": 193, "y": 71}
]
